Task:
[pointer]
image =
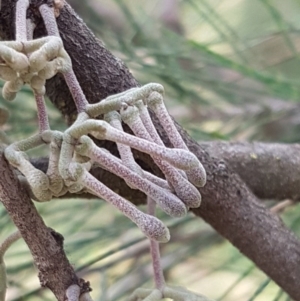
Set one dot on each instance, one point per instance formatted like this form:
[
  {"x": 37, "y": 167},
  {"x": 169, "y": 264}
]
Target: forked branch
[{"x": 227, "y": 203}]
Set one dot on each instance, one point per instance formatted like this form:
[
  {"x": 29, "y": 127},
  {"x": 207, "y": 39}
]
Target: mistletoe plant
[{"x": 72, "y": 153}]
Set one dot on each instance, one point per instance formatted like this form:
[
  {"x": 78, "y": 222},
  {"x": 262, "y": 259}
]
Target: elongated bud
[
  {"x": 114, "y": 119},
  {"x": 10, "y": 89},
  {"x": 38, "y": 181},
  {"x": 184, "y": 190},
  {"x": 153, "y": 228},
  {"x": 49, "y": 51},
  {"x": 14, "y": 59},
  {"x": 196, "y": 174},
  {"x": 166, "y": 200},
  {"x": 7, "y": 73},
  {"x": 150, "y": 226},
  {"x": 38, "y": 84}
]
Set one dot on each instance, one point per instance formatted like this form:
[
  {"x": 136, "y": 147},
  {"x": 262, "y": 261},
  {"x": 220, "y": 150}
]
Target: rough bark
[
  {"x": 46, "y": 246},
  {"x": 228, "y": 204},
  {"x": 269, "y": 169}
]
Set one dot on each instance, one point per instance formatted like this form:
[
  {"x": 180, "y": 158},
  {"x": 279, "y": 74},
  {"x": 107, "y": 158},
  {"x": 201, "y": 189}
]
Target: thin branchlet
[
  {"x": 3, "y": 248},
  {"x": 8, "y": 242}
]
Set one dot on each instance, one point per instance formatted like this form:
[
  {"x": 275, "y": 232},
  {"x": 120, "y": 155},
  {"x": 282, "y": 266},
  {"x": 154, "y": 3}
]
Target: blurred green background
[{"x": 231, "y": 71}]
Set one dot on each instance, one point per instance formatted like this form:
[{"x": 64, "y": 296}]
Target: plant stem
[
  {"x": 159, "y": 278},
  {"x": 42, "y": 113},
  {"x": 21, "y": 9},
  {"x": 70, "y": 77}
]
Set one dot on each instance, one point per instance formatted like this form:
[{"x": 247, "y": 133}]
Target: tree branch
[
  {"x": 269, "y": 169},
  {"x": 228, "y": 205},
  {"x": 46, "y": 246}
]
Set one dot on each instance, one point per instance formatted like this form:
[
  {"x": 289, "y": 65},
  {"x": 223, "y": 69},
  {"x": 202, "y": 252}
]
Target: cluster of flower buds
[
  {"x": 31, "y": 62},
  {"x": 174, "y": 194},
  {"x": 73, "y": 153}
]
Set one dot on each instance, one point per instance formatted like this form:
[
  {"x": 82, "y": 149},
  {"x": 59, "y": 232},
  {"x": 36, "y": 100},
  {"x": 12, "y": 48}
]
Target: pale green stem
[
  {"x": 129, "y": 97},
  {"x": 3, "y": 248}
]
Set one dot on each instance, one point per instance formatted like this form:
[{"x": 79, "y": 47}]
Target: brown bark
[
  {"x": 228, "y": 205},
  {"x": 46, "y": 246},
  {"x": 269, "y": 169}
]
